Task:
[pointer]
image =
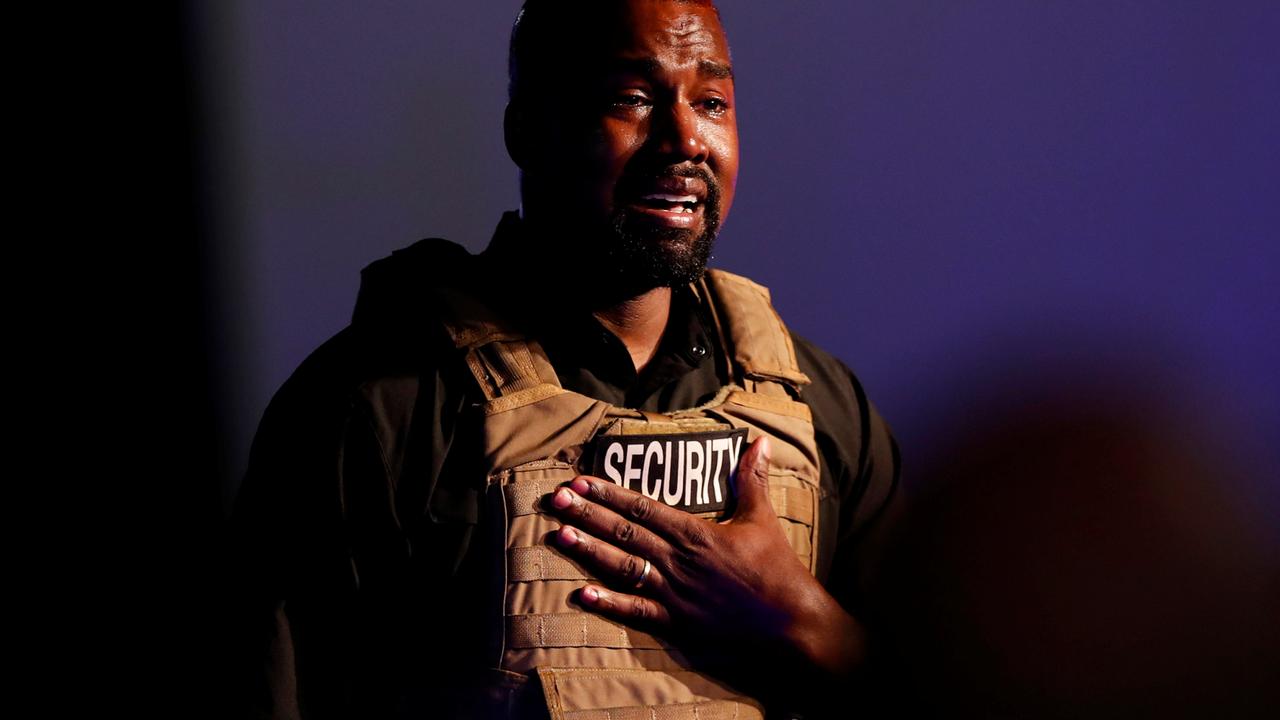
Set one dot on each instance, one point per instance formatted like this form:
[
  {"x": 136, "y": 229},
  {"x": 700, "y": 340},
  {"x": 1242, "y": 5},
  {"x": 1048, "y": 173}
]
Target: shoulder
[
  {"x": 374, "y": 369},
  {"x": 396, "y": 333},
  {"x": 851, "y": 434},
  {"x": 841, "y": 410},
  {"x": 828, "y": 373},
  {"x": 357, "y": 362}
]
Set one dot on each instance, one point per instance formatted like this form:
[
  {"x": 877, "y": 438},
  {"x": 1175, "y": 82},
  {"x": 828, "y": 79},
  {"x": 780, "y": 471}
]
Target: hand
[{"x": 737, "y": 582}]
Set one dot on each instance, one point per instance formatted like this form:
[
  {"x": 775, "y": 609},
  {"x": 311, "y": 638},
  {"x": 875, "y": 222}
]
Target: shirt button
[{"x": 698, "y": 351}]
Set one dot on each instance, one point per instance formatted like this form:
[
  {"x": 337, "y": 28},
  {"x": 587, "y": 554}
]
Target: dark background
[{"x": 1044, "y": 234}]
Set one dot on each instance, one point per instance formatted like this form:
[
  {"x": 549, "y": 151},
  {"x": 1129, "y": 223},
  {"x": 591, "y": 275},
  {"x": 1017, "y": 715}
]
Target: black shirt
[{"x": 357, "y": 578}]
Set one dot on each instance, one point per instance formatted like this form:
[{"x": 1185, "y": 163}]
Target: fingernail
[
  {"x": 580, "y": 486},
  {"x": 562, "y": 499},
  {"x": 568, "y": 537},
  {"x": 590, "y": 594}
]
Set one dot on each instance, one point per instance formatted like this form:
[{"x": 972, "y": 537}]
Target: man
[{"x": 497, "y": 491}]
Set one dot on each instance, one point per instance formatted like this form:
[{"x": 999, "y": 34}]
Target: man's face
[{"x": 644, "y": 160}]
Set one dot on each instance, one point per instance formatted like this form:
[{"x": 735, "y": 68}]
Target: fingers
[
  {"x": 752, "y": 481},
  {"x": 623, "y": 517},
  {"x": 628, "y": 570},
  {"x": 632, "y": 609},
  {"x": 625, "y": 570}
]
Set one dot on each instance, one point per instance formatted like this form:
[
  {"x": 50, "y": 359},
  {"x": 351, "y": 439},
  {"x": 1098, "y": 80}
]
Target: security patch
[{"x": 688, "y": 471}]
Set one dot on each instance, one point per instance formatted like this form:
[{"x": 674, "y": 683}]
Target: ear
[{"x": 515, "y": 133}]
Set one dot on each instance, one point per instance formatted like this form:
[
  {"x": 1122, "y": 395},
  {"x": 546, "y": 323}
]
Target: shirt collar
[{"x": 576, "y": 340}]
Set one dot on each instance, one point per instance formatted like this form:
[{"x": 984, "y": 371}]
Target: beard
[{"x": 640, "y": 256}]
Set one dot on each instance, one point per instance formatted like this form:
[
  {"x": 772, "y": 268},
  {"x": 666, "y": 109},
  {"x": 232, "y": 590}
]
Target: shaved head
[{"x": 545, "y": 32}]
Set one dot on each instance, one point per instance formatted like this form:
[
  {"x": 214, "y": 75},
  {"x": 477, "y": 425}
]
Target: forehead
[{"x": 674, "y": 32}]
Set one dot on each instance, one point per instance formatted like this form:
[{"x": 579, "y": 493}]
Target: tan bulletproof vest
[{"x": 535, "y": 434}]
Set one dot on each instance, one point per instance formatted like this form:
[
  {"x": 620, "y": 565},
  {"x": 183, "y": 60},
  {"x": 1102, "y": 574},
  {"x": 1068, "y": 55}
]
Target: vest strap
[
  {"x": 502, "y": 361},
  {"x": 706, "y": 710},
  {"x": 577, "y": 629},
  {"x": 525, "y": 498},
  {"x": 600, "y": 694},
  {"x": 539, "y": 562},
  {"x": 761, "y": 345}
]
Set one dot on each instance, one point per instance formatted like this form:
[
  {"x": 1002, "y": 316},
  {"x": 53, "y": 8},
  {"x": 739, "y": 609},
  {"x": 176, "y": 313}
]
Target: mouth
[
  {"x": 668, "y": 210},
  {"x": 671, "y": 200}
]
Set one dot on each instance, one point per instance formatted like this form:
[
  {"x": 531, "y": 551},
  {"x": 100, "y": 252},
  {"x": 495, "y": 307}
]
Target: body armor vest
[{"x": 537, "y": 436}]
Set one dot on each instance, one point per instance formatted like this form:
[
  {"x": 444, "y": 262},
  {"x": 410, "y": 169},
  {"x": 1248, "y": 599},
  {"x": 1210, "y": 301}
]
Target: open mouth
[
  {"x": 669, "y": 200},
  {"x": 670, "y": 203},
  {"x": 668, "y": 210}
]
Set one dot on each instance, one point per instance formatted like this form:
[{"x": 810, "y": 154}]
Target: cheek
[
  {"x": 614, "y": 144},
  {"x": 726, "y": 149},
  {"x": 726, "y": 197}
]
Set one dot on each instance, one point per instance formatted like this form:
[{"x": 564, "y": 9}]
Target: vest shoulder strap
[
  {"x": 438, "y": 274},
  {"x": 758, "y": 341},
  {"x": 501, "y": 359},
  {"x": 504, "y": 361}
]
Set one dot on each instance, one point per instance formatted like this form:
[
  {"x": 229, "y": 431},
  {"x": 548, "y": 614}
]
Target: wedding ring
[{"x": 644, "y": 574}]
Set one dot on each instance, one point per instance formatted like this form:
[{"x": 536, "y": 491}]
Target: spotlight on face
[{"x": 635, "y": 155}]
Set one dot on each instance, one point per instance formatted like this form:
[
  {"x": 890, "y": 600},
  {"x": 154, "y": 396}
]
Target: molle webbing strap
[
  {"x": 539, "y": 562},
  {"x": 575, "y": 629},
  {"x": 706, "y": 710},
  {"x": 502, "y": 361},
  {"x": 628, "y": 694},
  {"x": 781, "y": 406},
  {"x": 525, "y": 498},
  {"x": 504, "y": 367},
  {"x": 469, "y": 321},
  {"x": 792, "y": 503},
  {"x": 761, "y": 345}
]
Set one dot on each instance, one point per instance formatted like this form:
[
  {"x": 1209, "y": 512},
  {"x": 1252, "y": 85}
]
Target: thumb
[{"x": 752, "y": 481}]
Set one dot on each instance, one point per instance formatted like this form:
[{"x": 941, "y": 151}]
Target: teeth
[{"x": 672, "y": 198}]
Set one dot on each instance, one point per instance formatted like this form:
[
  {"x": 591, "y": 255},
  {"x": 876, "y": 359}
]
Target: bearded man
[{"x": 577, "y": 475}]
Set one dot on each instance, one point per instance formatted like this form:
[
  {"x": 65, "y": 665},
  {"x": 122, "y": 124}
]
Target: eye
[
  {"x": 629, "y": 100},
  {"x": 715, "y": 105}
]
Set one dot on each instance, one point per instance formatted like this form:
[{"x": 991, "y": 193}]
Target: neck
[
  {"x": 639, "y": 322},
  {"x": 638, "y": 317}
]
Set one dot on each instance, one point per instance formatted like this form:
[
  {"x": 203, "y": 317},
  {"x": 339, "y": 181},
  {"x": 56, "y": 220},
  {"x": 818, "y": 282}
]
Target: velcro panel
[{"x": 795, "y": 503}]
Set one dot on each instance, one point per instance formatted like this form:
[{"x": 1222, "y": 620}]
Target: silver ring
[{"x": 644, "y": 574}]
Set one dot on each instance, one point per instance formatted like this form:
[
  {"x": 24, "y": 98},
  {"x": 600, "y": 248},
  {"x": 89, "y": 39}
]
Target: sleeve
[
  {"x": 861, "y": 501},
  {"x": 342, "y": 542},
  {"x": 289, "y": 573},
  {"x": 860, "y": 470},
  {"x": 871, "y": 501}
]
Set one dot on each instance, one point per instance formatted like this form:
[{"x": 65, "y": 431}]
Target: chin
[{"x": 657, "y": 256}]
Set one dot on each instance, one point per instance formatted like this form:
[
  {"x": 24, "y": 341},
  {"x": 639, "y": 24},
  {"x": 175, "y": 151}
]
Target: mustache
[{"x": 633, "y": 182}]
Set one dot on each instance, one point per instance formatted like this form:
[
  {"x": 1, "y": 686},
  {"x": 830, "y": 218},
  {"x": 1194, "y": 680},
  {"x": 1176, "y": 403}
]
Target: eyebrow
[
  {"x": 650, "y": 67},
  {"x": 711, "y": 68}
]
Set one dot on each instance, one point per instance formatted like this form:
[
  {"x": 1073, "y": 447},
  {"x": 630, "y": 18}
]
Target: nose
[{"x": 677, "y": 134}]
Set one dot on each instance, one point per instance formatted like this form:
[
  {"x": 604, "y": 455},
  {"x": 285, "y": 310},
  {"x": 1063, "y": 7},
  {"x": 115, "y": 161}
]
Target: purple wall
[{"x": 931, "y": 189}]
